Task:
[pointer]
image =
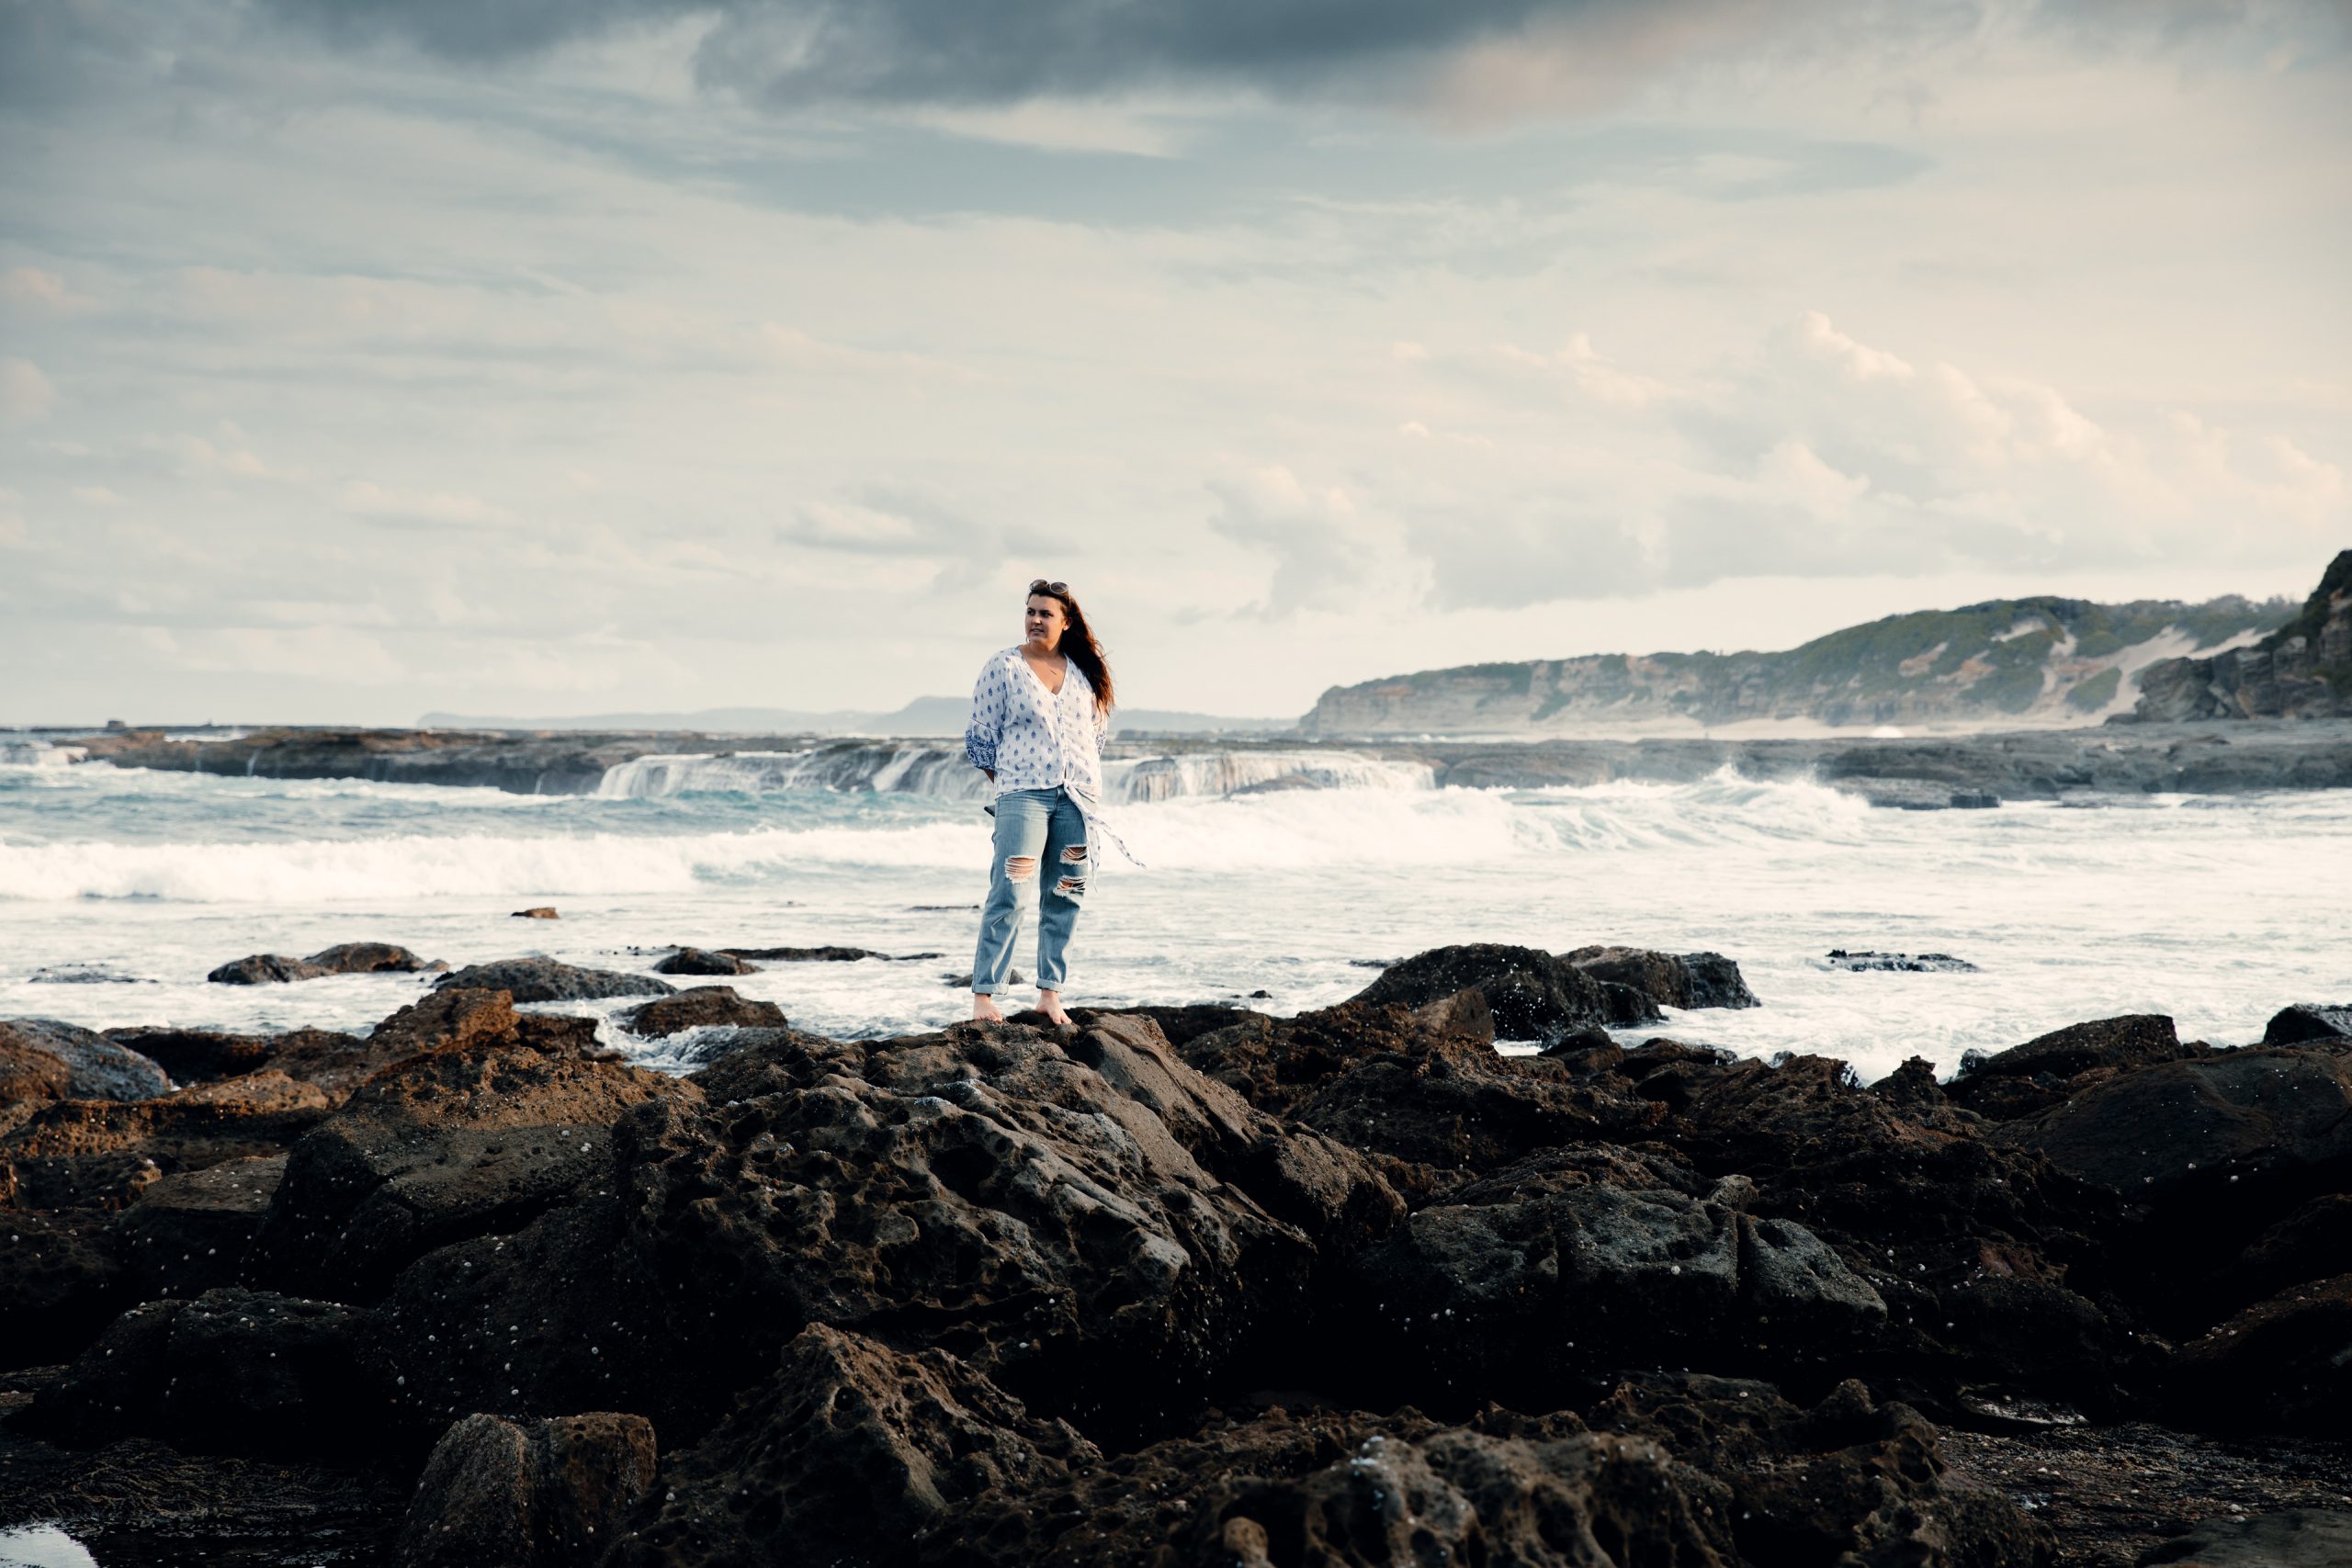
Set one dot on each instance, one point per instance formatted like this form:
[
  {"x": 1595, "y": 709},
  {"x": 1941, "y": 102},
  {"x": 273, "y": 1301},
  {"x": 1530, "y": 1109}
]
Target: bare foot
[
  {"x": 984, "y": 1009},
  {"x": 1050, "y": 1004}
]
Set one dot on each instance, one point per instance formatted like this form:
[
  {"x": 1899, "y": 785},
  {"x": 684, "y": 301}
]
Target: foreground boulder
[
  {"x": 854, "y": 1453},
  {"x": 1098, "y": 1229},
  {"x": 345, "y": 958},
  {"x": 200, "y": 1056},
  {"x": 1566, "y": 1266},
  {"x": 546, "y": 980},
  {"x": 697, "y": 961},
  {"x": 701, "y": 1006},
  {"x": 1529, "y": 993},
  {"x": 2281, "y": 1364},
  {"x": 232, "y": 1372},
  {"x": 2277, "y": 1114},
  {"x": 30, "y": 1073},
  {"x": 103, "y": 1153},
  {"x": 190, "y": 1233},
  {"x": 544, "y": 1494},
  {"x": 94, "y": 1067},
  {"x": 1850, "y": 1479},
  {"x": 1684, "y": 1471},
  {"x": 455, "y": 1144},
  {"x": 60, "y": 1282},
  {"x": 2054, "y": 1067},
  {"x": 2307, "y": 1021},
  {"x": 1685, "y": 981},
  {"x": 1414, "y": 1087}
]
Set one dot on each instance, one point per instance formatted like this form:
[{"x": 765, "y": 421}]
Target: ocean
[{"x": 1278, "y": 884}]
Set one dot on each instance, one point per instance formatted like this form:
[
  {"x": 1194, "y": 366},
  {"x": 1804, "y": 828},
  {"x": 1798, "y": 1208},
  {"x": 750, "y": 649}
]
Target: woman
[{"x": 1039, "y": 714}]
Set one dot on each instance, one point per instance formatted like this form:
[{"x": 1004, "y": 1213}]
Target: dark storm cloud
[{"x": 955, "y": 51}]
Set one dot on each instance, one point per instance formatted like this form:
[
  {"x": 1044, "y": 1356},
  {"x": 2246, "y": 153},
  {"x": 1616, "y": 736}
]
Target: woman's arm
[{"x": 987, "y": 722}]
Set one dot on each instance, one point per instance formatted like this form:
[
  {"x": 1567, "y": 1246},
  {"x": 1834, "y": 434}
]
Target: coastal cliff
[
  {"x": 2301, "y": 671},
  {"x": 2007, "y": 661}
]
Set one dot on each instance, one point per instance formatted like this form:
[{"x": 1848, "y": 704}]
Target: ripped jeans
[{"x": 1040, "y": 843}]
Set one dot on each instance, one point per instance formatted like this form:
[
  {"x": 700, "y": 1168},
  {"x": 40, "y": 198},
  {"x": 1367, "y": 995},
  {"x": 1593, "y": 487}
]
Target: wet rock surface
[
  {"x": 1530, "y": 994},
  {"x": 532, "y": 1495},
  {"x": 701, "y": 1006},
  {"x": 1863, "y": 960},
  {"x": 1183, "y": 1285},
  {"x": 94, "y": 1067},
  {"x": 547, "y": 980},
  {"x": 347, "y": 958},
  {"x": 2307, "y": 1021},
  {"x": 696, "y": 961},
  {"x": 1675, "y": 980}
]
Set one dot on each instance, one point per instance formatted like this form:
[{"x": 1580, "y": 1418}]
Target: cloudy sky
[{"x": 362, "y": 357}]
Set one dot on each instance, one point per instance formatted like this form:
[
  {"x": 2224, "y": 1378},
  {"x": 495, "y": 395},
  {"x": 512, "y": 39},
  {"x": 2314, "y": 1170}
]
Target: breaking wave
[{"x": 940, "y": 773}]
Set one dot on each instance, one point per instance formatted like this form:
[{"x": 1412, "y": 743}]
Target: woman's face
[{"x": 1044, "y": 620}]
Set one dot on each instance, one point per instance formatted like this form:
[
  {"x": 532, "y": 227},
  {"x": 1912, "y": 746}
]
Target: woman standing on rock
[{"x": 1039, "y": 714}]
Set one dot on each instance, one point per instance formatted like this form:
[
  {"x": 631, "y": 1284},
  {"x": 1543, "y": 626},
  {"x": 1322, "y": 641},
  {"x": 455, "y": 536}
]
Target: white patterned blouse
[{"x": 1034, "y": 739}]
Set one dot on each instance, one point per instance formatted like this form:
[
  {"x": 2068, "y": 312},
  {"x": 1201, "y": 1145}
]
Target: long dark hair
[{"x": 1078, "y": 642}]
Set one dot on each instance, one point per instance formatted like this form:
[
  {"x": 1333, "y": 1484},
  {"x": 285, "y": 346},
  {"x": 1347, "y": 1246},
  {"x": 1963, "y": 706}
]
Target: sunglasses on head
[{"x": 1042, "y": 586}]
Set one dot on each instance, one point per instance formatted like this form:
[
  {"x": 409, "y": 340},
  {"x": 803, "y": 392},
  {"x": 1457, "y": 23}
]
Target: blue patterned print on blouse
[{"x": 1034, "y": 739}]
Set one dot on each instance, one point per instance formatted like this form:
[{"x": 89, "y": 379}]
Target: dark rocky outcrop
[
  {"x": 1543, "y": 1273},
  {"x": 103, "y": 1153},
  {"x": 2279, "y": 1365},
  {"x": 853, "y": 1453},
  {"x": 1005, "y": 1294},
  {"x": 546, "y": 980},
  {"x": 60, "y": 1283},
  {"x": 1671, "y": 1470},
  {"x": 95, "y": 1068},
  {"x": 2301, "y": 671},
  {"x": 701, "y": 1006},
  {"x": 456, "y": 1144},
  {"x": 1863, "y": 961},
  {"x": 537, "y": 912},
  {"x": 1097, "y": 1229},
  {"x": 189, "y": 1232},
  {"x": 1850, "y": 1479},
  {"x": 232, "y": 1372},
  {"x": 1529, "y": 993},
  {"x": 2054, "y": 1067},
  {"x": 1408, "y": 1086},
  {"x": 804, "y": 954},
  {"x": 699, "y": 960},
  {"x": 200, "y": 1056},
  {"x": 546, "y": 1494},
  {"x": 2176, "y": 1126},
  {"x": 2307, "y": 1021},
  {"x": 30, "y": 1073},
  {"x": 345, "y": 958},
  {"x": 1674, "y": 980}
]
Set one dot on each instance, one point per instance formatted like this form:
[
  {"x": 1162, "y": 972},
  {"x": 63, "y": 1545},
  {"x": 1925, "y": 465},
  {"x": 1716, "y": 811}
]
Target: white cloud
[
  {"x": 1793, "y": 471},
  {"x": 369, "y": 499},
  {"x": 320, "y": 653},
  {"x": 96, "y": 495},
  {"x": 201, "y": 456},
  {"x": 1595, "y": 374},
  {"x": 1327, "y": 554},
  {"x": 1859, "y": 360},
  {"x": 33, "y": 288},
  {"x": 25, "y": 393}
]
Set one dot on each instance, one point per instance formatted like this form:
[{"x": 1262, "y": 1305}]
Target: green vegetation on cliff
[{"x": 2002, "y": 658}]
